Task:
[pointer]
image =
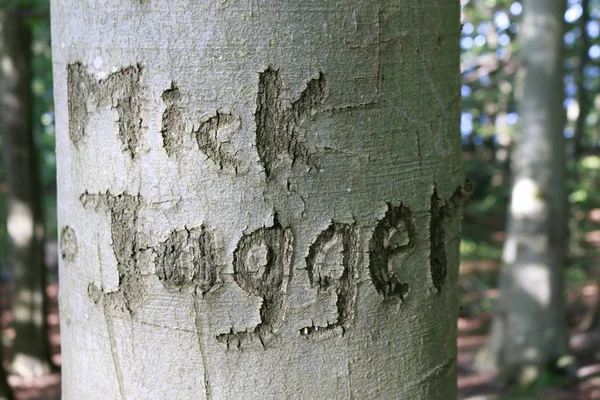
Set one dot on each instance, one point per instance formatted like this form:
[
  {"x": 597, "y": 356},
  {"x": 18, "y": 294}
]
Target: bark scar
[
  {"x": 279, "y": 127},
  {"x": 394, "y": 234},
  {"x": 441, "y": 212},
  {"x": 262, "y": 267},
  {"x": 332, "y": 265},
  {"x": 123, "y": 210},
  {"x": 121, "y": 90}
]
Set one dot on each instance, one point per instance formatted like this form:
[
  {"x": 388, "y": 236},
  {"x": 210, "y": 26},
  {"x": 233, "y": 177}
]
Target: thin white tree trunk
[
  {"x": 529, "y": 330},
  {"x": 258, "y": 200}
]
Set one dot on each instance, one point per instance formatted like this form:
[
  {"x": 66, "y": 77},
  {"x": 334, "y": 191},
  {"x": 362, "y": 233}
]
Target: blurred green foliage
[
  {"x": 38, "y": 16},
  {"x": 489, "y": 65}
]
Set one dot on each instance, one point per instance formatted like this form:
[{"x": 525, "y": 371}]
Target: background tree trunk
[
  {"x": 258, "y": 200},
  {"x": 25, "y": 220},
  {"x": 579, "y": 138},
  {"x": 529, "y": 329},
  {"x": 5, "y": 390}
]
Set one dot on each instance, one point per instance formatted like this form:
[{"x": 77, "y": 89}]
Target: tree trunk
[
  {"x": 5, "y": 390},
  {"x": 258, "y": 200},
  {"x": 25, "y": 220},
  {"x": 579, "y": 137},
  {"x": 529, "y": 329}
]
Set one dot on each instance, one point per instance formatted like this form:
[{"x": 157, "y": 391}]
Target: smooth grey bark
[
  {"x": 258, "y": 200},
  {"x": 24, "y": 218},
  {"x": 529, "y": 329}
]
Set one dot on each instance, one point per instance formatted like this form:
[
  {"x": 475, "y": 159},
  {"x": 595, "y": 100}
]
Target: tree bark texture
[
  {"x": 530, "y": 326},
  {"x": 25, "y": 218},
  {"x": 258, "y": 200}
]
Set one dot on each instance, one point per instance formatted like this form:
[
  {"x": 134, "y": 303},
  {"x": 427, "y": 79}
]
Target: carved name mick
[{"x": 279, "y": 125}]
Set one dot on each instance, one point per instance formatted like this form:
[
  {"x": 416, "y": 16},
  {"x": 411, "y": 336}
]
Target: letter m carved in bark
[{"x": 121, "y": 90}]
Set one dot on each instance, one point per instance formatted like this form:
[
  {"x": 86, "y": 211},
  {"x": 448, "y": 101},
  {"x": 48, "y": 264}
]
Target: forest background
[{"x": 491, "y": 54}]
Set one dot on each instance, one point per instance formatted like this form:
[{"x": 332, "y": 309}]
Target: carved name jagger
[
  {"x": 187, "y": 260},
  {"x": 123, "y": 209},
  {"x": 332, "y": 266},
  {"x": 262, "y": 267},
  {"x": 121, "y": 90},
  {"x": 394, "y": 234},
  {"x": 278, "y": 127}
]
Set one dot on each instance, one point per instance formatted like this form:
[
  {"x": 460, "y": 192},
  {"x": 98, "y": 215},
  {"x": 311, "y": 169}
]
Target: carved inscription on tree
[
  {"x": 121, "y": 90},
  {"x": 278, "y": 126},
  {"x": 262, "y": 267},
  {"x": 332, "y": 265},
  {"x": 394, "y": 234},
  {"x": 212, "y": 136},
  {"x": 123, "y": 210},
  {"x": 187, "y": 260}
]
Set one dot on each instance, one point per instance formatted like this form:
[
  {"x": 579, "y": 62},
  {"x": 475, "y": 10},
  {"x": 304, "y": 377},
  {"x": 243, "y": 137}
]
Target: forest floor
[
  {"x": 35, "y": 388},
  {"x": 585, "y": 347},
  {"x": 483, "y": 237}
]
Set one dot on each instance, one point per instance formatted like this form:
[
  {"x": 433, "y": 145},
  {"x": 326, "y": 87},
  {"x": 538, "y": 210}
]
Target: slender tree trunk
[
  {"x": 529, "y": 329},
  {"x": 5, "y": 390},
  {"x": 258, "y": 200},
  {"x": 582, "y": 96},
  {"x": 25, "y": 221}
]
